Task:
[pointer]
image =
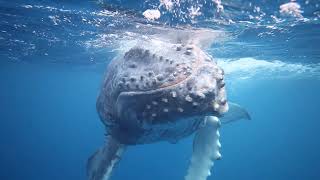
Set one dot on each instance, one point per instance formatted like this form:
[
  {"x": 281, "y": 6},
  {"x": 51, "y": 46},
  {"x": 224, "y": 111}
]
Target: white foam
[
  {"x": 194, "y": 11},
  {"x": 27, "y": 6},
  {"x": 219, "y": 5},
  {"x": 106, "y": 13},
  {"x": 249, "y": 68},
  {"x": 235, "y": 69},
  {"x": 292, "y": 9},
  {"x": 160, "y": 37},
  {"x": 167, "y": 4},
  {"x": 152, "y": 14},
  {"x": 55, "y": 19}
]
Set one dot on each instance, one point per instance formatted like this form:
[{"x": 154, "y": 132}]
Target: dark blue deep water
[{"x": 53, "y": 55}]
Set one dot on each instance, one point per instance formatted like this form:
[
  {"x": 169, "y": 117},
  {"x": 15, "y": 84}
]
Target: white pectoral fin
[
  {"x": 101, "y": 163},
  {"x": 206, "y": 148},
  {"x": 235, "y": 112}
]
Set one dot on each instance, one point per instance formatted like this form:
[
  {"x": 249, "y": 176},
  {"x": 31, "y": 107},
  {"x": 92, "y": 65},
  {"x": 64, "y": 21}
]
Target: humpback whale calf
[{"x": 153, "y": 95}]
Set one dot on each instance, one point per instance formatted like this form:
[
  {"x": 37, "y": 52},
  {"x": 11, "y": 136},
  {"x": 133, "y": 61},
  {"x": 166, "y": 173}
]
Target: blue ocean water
[{"x": 53, "y": 55}]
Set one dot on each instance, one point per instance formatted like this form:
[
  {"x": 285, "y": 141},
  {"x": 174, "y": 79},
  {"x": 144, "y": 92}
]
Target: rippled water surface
[{"x": 53, "y": 55}]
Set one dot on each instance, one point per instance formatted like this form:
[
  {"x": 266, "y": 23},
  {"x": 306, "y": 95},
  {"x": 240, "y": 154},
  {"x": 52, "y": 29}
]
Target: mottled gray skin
[{"x": 148, "y": 97}]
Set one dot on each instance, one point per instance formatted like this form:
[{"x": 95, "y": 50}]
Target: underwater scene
[{"x": 159, "y": 89}]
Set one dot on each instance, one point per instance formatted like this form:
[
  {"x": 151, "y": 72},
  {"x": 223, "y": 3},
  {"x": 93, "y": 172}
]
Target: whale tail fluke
[{"x": 102, "y": 162}]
